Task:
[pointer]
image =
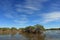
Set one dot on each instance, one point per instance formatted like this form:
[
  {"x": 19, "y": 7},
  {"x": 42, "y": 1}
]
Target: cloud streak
[
  {"x": 30, "y": 6},
  {"x": 53, "y": 16},
  {"x": 55, "y": 6}
]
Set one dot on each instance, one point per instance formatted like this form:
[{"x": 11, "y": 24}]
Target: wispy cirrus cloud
[
  {"x": 30, "y": 6},
  {"x": 53, "y": 16},
  {"x": 19, "y": 19},
  {"x": 55, "y": 6},
  {"x": 8, "y": 15},
  {"x": 22, "y": 20},
  {"x": 11, "y": 14},
  {"x": 26, "y": 9},
  {"x": 49, "y": 17}
]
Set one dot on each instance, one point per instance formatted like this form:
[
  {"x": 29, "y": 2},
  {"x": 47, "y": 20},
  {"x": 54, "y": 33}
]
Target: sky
[{"x": 22, "y": 13}]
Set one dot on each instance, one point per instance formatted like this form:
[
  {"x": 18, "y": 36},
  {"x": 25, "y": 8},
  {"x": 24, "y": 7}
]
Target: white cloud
[
  {"x": 26, "y": 9},
  {"x": 55, "y": 6},
  {"x": 11, "y": 14},
  {"x": 22, "y": 20},
  {"x": 8, "y": 15},
  {"x": 23, "y": 17},
  {"x": 51, "y": 17},
  {"x": 30, "y": 6},
  {"x": 15, "y": 16}
]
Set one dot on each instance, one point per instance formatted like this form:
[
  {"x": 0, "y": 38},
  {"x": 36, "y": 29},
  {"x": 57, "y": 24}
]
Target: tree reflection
[{"x": 31, "y": 36}]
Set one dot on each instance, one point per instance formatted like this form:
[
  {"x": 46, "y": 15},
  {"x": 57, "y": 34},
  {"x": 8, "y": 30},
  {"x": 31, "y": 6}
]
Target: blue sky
[{"x": 22, "y": 13}]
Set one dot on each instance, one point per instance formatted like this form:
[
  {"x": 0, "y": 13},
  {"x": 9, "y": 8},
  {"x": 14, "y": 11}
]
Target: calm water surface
[{"x": 47, "y": 35}]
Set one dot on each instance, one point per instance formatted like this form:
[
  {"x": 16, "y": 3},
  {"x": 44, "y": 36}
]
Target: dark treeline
[
  {"x": 12, "y": 30},
  {"x": 32, "y": 29},
  {"x": 53, "y": 29}
]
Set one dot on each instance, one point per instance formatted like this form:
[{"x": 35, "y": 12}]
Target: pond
[{"x": 47, "y": 35}]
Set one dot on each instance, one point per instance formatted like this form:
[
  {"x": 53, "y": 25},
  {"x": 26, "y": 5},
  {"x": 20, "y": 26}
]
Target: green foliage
[
  {"x": 35, "y": 26},
  {"x": 39, "y": 26},
  {"x": 32, "y": 27},
  {"x": 4, "y": 29},
  {"x": 13, "y": 28},
  {"x": 26, "y": 28},
  {"x": 21, "y": 29}
]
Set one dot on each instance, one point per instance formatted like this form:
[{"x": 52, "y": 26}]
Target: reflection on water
[
  {"x": 48, "y": 35},
  {"x": 52, "y": 35},
  {"x": 34, "y": 36}
]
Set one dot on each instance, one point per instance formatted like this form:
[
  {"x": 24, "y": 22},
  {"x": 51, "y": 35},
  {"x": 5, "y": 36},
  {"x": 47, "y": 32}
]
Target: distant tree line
[
  {"x": 53, "y": 29},
  {"x": 32, "y": 28},
  {"x": 13, "y": 28}
]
